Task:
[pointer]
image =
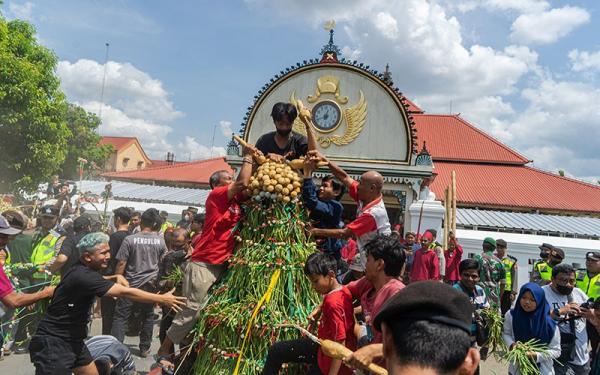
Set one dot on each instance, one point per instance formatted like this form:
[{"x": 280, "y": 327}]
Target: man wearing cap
[
  {"x": 68, "y": 254},
  {"x": 426, "y": 328},
  {"x": 588, "y": 280},
  {"x": 512, "y": 283},
  {"x": 164, "y": 215},
  {"x": 8, "y": 296},
  {"x": 46, "y": 242},
  {"x": 541, "y": 273},
  {"x": 492, "y": 274}
]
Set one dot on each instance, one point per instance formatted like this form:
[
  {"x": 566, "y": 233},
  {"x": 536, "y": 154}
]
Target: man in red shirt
[
  {"x": 426, "y": 265},
  {"x": 385, "y": 261},
  {"x": 211, "y": 251},
  {"x": 453, "y": 257},
  {"x": 371, "y": 216}
]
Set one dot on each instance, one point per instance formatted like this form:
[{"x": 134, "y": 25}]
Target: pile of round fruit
[{"x": 275, "y": 181}]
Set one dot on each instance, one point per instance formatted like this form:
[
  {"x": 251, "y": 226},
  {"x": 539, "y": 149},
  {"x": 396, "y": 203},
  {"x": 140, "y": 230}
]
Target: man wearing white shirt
[{"x": 565, "y": 305}]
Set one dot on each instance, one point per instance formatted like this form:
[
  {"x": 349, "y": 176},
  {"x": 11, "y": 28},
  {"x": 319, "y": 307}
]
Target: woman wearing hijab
[{"x": 530, "y": 319}]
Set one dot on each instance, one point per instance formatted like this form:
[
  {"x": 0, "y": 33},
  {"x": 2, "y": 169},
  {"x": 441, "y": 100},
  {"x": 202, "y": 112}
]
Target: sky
[{"x": 180, "y": 75}]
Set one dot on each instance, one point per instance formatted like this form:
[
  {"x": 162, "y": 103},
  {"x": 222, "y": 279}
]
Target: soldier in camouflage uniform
[{"x": 492, "y": 272}]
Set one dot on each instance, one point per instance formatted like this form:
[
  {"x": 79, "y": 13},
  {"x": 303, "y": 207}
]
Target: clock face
[{"x": 326, "y": 116}]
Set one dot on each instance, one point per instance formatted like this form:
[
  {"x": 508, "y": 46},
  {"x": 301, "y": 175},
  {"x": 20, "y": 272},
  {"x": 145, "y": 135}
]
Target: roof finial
[
  {"x": 330, "y": 51},
  {"x": 387, "y": 75}
]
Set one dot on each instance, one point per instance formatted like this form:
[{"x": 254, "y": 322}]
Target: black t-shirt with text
[
  {"x": 69, "y": 311},
  {"x": 296, "y": 147}
]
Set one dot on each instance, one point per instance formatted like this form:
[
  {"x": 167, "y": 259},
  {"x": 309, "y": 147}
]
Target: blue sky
[{"x": 526, "y": 71}]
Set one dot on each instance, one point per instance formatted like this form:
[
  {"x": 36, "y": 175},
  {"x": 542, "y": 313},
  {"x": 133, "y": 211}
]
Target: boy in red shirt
[
  {"x": 426, "y": 265},
  {"x": 336, "y": 324},
  {"x": 385, "y": 262}
]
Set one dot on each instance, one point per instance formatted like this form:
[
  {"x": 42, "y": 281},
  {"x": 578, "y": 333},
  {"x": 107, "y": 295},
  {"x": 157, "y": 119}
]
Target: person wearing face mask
[
  {"x": 283, "y": 143},
  {"x": 565, "y": 302},
  {"x": 588, "y": 280},
  {"x": 541, "y": 272},
  {"x": 530, "y": 319}
]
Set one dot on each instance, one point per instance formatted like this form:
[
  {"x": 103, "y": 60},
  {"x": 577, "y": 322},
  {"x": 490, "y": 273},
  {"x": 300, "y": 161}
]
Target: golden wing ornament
[
  {"x": 355, "y": 120},
  {"x": 298, "y": 125}
]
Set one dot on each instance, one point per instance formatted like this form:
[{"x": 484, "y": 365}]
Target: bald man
[{"x": 371, "y": 216}]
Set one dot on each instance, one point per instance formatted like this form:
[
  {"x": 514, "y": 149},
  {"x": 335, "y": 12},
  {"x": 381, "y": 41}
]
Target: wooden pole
[{"x": 453, "y": 205}]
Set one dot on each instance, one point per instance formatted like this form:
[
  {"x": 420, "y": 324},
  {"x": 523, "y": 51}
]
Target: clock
[{"x": 326, "y": 116}]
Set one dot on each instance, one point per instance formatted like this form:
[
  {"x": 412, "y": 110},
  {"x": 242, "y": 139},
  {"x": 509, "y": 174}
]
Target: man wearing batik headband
[
  {"x": 57, "y": 346},
  {"x": 588, "y": 280},
  {"x": 426, "y": 264}
]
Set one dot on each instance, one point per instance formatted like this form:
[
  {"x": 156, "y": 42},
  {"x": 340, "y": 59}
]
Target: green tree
[
  {"x": 33, "y": 130},
  {"x": 83, "y": 143}
]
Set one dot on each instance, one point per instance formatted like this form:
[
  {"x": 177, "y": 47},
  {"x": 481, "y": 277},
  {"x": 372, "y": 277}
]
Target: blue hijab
[{"x": 536, "y": 324}]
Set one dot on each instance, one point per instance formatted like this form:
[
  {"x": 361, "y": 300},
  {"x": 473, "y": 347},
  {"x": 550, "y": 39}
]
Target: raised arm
[
  {"x": 243, "y": 178},
  {"x": 305, "y": 117},
  {"x": 337, "y": 171}
]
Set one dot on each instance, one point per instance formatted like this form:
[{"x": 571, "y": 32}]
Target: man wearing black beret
[{"x": 426, "y": 331}]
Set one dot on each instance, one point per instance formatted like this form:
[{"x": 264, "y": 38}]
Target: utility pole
[
  {"x": 212, "y": 144},
  {"x": 103, "y": 83}
]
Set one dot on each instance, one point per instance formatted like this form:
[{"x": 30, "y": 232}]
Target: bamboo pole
[
  {"x": 453, "y": 220},
  {"x": 447, "y": 208}
]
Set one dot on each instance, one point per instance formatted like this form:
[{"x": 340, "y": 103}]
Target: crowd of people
[{"x": 401, "y": 302}]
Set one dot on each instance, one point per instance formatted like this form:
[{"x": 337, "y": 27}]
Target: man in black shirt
[
  {"x": 283, "y": 143},
  {"x": 68, "y": 254},
  {"x": 122, "y": 216},
  {"x": 57, "y": 346}
]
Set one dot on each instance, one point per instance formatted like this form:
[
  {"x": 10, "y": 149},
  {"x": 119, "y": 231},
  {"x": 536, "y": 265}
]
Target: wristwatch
[{"x": 556, "y": 312}]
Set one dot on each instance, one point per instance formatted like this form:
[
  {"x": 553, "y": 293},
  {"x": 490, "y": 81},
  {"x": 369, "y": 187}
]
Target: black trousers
[
  {"x": 107, "y": 310},
  {"x": 123, "y": 311},
  {"x": 594, "y": 338},
  {"x": 165, "y": 323},
  {"x": 505, "y": 301},
  {"x": 293, "y": 351}
]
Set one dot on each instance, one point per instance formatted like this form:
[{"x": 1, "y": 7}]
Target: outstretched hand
[
  {"x": 172, "y": 301},
  {"x": 316, "y": 156}
]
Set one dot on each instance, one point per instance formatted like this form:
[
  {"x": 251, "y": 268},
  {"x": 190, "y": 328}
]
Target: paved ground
[{"x": 20, "y": 364}]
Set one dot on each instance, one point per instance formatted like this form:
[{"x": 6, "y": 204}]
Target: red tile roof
[
  {"x": 515, "y": 186},
  {"x": 451, "y": 138},
  {"x": 118, "y": 142},
  {"x": 412, "y": 107},
  {"x": 164, "y": 163},
  {"x": 195, "y": 172}
]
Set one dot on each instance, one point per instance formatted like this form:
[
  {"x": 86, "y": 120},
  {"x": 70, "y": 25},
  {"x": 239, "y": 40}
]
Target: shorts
[
  {"x": 54, "y": 356},
  {"x": 198, "y": 277}
]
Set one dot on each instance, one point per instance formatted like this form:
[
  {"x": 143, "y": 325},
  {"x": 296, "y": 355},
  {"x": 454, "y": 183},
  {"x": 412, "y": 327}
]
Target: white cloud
[
  {"x": 226, "y": 128},
  {"x": 560, "y": 128},
  {"x": 521, "y": 6},
  {"x": 128, "y": 88},
  {"x": 190, "y": 148},
  {"x": 548, "y": 26},
  {"x": 22, "y": 11},
  {"x": 584, "y": 60},
  {"x": 115, "y": 122}
]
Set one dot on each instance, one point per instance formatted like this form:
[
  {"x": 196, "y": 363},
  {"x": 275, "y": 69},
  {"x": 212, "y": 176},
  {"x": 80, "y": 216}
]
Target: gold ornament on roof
[{"x": 354, "y": 117}]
